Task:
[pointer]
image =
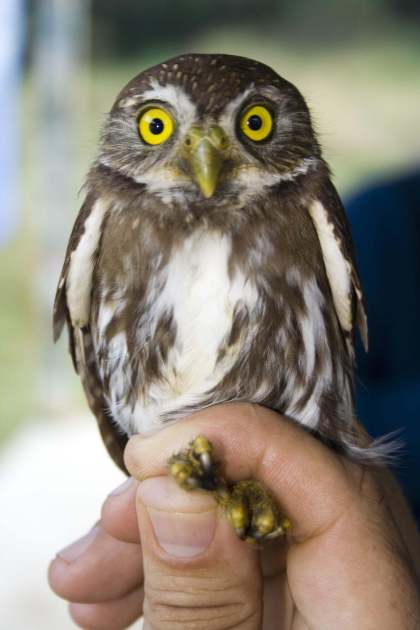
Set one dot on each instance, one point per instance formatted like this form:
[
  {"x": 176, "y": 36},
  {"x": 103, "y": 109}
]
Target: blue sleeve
[{"x": 385, "y": 222}]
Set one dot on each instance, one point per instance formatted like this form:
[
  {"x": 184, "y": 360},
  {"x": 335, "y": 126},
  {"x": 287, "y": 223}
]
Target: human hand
[{"x": 350, "y": 561}]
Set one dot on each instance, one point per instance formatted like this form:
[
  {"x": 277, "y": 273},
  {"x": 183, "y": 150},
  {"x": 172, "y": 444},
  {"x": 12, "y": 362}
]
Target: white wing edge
[
  {"x": 339, "y": 270},
  {"x": 79, "y": 277}
]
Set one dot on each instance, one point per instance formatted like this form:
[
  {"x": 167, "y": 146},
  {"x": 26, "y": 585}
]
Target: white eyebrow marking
[
  {"x": 228, "y": 116},
  {"x": 128, "y": 101},
  {"x": 177, "y": 98}
]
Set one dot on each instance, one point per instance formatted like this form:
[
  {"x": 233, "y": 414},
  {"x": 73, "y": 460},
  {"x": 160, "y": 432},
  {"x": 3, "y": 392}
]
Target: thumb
[{"x": 197, "y": 573}]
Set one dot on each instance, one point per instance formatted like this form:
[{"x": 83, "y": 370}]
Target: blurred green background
[{"x": 357, "y": 63}]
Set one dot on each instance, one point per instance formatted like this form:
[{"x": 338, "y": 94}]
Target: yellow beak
[{"x": 205, "y": 156}]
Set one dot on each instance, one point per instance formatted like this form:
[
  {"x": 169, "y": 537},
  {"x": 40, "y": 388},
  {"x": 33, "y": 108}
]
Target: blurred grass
[
  {"x": 18, "y": 348},
  {"x": 365, "y": 101}
]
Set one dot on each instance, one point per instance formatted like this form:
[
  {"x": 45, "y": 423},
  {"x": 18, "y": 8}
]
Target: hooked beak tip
[
  {"x": 206, "y": 162},
  {"x": 207, "y": 191}
]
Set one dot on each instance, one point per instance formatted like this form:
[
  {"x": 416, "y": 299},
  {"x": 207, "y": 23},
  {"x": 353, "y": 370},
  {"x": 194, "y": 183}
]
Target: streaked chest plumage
[{"x": 211, "y": 315}]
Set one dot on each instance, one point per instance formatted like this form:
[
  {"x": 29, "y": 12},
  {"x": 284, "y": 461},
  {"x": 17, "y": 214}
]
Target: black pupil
[
  {"x": 254, "y": 122},
  {"x": 156, "y": 126}
]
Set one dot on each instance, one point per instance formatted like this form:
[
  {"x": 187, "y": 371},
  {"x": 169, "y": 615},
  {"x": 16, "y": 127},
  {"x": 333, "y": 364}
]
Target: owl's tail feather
[{"x": 383, "y": 451}]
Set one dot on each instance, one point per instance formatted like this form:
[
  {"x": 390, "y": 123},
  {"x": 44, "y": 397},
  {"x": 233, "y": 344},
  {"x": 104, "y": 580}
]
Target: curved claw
[{"x": 206, "y": 462}]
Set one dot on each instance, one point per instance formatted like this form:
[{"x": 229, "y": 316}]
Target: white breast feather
[
  {"x": 202, "y": 297},
  {"x": 312, "y": 325}
]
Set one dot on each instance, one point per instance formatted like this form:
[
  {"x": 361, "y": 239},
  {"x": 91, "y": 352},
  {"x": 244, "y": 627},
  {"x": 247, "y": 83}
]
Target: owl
[{"x": 211, "y": 260}]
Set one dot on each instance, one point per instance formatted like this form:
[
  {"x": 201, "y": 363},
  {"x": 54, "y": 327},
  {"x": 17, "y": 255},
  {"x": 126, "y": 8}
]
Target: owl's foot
[
  {"x": 196, "y": 468},
  {"x": 253, "y": 512},
  {"x": 248, "y": 504}
]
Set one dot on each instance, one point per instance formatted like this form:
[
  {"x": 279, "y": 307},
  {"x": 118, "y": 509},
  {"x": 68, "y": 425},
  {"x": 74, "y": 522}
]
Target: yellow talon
[
  {"x": 238, "y": 516},
  {"x": 176, "y": 468},
  {"x": 265, "y": 523},
  {"x": 180, "y": 471},
  {"x": 285, "y": 524},
  {"x": 201, "y": 445}
]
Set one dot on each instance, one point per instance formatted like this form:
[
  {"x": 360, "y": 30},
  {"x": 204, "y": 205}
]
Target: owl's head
[{"x": 209, "y": 125}]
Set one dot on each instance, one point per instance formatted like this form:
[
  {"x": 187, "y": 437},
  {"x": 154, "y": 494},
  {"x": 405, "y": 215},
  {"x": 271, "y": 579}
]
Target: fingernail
[
  {"x": 75, "y": 550},
  {"x": 123, "y": 487},
  {"x": 183, "y": 522}
]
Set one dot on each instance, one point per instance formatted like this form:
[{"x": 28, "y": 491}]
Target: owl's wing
[
  {"x": 336, "y": 243},
  {"x": 72, "y": 306},
  {"x": 60, "y": 311}
]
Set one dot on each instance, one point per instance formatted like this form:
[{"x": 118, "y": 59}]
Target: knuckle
[
  {"x": 131, "y": 457},
  {"x": 201, "y": 603}
]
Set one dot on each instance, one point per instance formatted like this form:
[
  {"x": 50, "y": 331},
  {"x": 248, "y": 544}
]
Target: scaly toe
[
  {"x": 202, "y": 450},
  {"x": 183, "y": 472},
  {"x": 238, "y": 515},
  {"x": 269, "y": 528},
  {"x": 263, "y": 524},
  {"x": 195, "y": 467}
]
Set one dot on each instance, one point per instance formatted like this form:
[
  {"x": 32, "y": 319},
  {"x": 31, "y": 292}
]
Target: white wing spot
[
  {"x": 337, "y": 267},
  {"x": 79, "y": 279}
]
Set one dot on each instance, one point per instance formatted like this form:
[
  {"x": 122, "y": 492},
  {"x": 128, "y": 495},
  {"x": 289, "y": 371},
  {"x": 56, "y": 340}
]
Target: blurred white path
[{"x": 53, "y": 479}]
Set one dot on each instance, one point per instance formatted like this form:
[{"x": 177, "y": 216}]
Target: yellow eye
[
  {"x": 155, "y": 125},
  {"x": 256, "y": 123}
]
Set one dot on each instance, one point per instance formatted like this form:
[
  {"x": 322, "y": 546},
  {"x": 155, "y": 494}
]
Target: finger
[
  {"x": 341, "y": 542},
  {"x": 112, "y": 615},
  {"x": 118, "y": 516},
  {"x": 96, "y": 568},
  {"x": 308, "y": 479},
  {"x": 197, "y": 572}
]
